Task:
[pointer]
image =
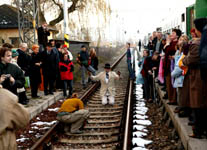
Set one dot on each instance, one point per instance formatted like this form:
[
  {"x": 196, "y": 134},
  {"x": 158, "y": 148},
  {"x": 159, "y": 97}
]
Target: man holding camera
[{"x": 43, "y": 33}]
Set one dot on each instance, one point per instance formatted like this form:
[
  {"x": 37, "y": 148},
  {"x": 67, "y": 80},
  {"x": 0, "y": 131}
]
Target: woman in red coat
[{"x": 66, "y": 74}]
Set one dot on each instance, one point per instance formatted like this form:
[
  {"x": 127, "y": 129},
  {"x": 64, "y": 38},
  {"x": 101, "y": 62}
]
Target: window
[
  {"x": 14, "y": 41},
  {"x": 183, "y": 17}
]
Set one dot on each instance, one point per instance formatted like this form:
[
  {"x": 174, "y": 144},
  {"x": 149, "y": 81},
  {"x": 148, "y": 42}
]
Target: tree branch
[{"x": 61, "y": 15}]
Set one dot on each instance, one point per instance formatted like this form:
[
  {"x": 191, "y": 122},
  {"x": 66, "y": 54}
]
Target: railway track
[{"x": 105, "y": 126}]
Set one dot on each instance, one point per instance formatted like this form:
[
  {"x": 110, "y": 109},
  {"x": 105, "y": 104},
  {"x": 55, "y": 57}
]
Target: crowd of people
[
  {"x": 49, "y": 63},
  {"x": 178, "y": 63}
]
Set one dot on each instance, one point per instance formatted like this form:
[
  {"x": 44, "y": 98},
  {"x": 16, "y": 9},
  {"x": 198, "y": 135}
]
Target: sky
[
  {"x": 146, "y": 15},
  {"x": 139, "y": 15}
]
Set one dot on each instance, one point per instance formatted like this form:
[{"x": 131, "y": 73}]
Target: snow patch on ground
[
  {"x": 137, "y": 116},
  {"x": 22, "y": 139},
  {"x": 40, "y": 123},
  {"x": 139, "y": 134},
  {"x": 54, "y": 109},
  {"x": 142, "y": 122},
  {"x": 139, "y": 148},
  {"x": 140, "y": 128},
  {"x": 140, "y": 142}
]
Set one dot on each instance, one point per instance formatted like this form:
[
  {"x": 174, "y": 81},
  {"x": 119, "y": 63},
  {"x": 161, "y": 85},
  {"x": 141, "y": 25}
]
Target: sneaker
[{"x": 77, "y": 132}]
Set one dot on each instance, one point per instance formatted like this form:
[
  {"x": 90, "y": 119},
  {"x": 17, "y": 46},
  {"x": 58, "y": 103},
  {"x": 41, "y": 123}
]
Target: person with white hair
[{"x": 24, "y": 59}]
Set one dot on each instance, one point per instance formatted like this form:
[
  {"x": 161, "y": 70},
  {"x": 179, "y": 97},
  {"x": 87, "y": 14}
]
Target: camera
[{"x": 7, "y": 75}]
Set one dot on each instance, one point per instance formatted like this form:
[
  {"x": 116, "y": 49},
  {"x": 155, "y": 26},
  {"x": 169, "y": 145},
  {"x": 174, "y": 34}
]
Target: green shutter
[
  {"x": 201, "y": 8},
  {"x": 190, "y": 15}
]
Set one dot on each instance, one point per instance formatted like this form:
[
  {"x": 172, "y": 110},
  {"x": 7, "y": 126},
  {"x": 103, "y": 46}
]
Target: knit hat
[
  {"x": 14, "y": 53},
  {"x": 200, "y": 23}
]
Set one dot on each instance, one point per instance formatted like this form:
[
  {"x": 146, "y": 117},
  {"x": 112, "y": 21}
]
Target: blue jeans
[
  {"x": 83, "y": 72},
  {"x": 131, "y": 72},
  {"x": 66, "y": 84}
]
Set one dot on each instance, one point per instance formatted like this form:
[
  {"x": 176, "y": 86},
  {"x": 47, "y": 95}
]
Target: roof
[{"x": 8, "y": 17}]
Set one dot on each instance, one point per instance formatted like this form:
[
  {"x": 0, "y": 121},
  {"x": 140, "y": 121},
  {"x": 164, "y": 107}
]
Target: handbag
[
  {"x": 27, "y": 82},
  {"x": 139, "y": 78}
]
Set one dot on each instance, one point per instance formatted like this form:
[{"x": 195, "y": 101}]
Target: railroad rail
[{"x": 104, "y": 125}]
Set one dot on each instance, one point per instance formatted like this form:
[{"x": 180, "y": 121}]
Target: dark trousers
[
  {"x": 148, "y": 88},
  {"x": 131, "y": 72},
  {"x": 48, "y": 80},
  {"x": 199, "y": 120},
  {"x": 67, "y": 84},
  {"x": 34, "y": 87},
  {"x": 22, "y": 97}
]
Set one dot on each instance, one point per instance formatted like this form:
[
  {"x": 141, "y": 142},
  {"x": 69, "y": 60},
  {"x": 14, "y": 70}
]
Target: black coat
[
  {"x": 94, "y": 62},
  {"x": 16, "y": 73},
  {"x": 24, "y": 61},
  {"x": 35, "y": 70},
  {"x": 42, "y": 36},
  {"x": 49, "y": 64}
]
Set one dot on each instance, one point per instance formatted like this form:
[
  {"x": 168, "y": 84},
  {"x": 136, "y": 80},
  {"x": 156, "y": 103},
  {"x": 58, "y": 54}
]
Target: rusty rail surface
[{"x": 44, "y": 141}]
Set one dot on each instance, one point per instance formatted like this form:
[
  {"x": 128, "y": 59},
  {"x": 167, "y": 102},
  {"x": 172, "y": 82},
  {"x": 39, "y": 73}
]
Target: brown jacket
[
  {"x": 197, "y": 87},
  {"x": 12, "y": 117}
]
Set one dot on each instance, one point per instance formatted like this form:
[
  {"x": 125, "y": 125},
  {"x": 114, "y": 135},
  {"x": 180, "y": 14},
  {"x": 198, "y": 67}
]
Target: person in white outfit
[{"x": 107, "y": 79}]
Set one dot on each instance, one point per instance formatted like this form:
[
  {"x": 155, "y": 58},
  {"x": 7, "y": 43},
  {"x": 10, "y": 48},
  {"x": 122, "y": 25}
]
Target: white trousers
[{"x": 111, "y": 99}]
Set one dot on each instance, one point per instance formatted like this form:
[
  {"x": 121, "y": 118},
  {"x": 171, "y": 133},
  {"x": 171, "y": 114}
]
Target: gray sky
[{"x": 146, "y": 15}]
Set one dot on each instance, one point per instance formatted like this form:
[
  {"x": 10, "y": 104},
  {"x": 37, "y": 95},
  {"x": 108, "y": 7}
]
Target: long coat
[
  {"x": 24, "y": 61},
  {"x": 110, "y": 86},
  {"x": 198, "y": 87},
  {"x": 13, "y": 116},
  {"x": 35, "y": 70},
  {"x": 49, "y": 64}
]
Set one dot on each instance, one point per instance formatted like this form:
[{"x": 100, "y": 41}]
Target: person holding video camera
[
  {"x": 11, "y": 77},
  {"x": 43, "y": 33}
]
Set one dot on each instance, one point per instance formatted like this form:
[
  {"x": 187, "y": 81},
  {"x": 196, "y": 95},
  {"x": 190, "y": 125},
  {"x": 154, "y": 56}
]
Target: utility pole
[
  {"x": 66, "y": 29},
  {"x": 27, "y": 20}
]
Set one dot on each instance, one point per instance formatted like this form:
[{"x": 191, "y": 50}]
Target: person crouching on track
[
  {"x": 73, "y": 114},
  {"x": 66, "y": 74},
  {"x": 107, "y": 78}
]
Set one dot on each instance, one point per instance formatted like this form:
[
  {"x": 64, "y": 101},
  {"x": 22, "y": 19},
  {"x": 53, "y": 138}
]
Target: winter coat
[
  {"x": 110, "y": 86},
  {"x": 169, "y": 51},
  {"x": 197, "y": 87},
  {"x": 35, "y": 70},
  {"x": 177, "y": 74},
  {"x": 24, "y": 61},
  {"x": 49, "y": 64},
  {"x": 148, "y": 65},
  {"x": 13, "y": 116},
  {"x": 16, "y": 73},
  {"x": 93, "y": 61},
  {"x": 83, "y": 58},
  {"x": 42, "y": 36},
  {"x": 66, "y": 70}
]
